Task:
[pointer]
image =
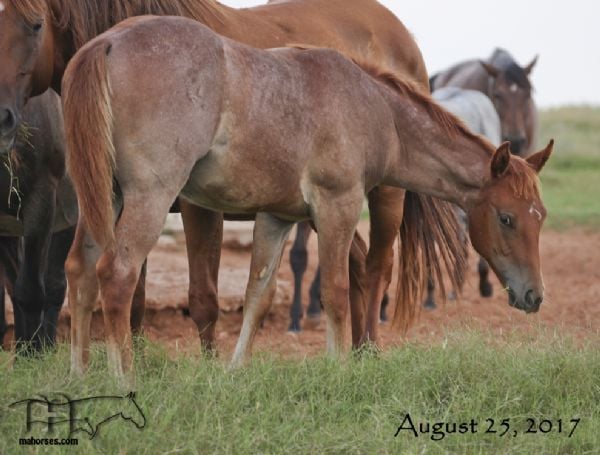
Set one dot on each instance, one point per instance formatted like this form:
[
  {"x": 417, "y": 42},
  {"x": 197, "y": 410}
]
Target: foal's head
[
  {"x": 510, "y": 91},
  {"x": 505, "y": 222},
  {"x": 27, "y": 54}
]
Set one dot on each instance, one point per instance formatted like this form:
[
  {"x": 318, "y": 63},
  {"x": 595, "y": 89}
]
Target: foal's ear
[
  {"x": 529, "y": 68},
  {"x": 500, "y": 160},
  {"x": 490, "y": 69},
  {"x": 537, "y": 160}
]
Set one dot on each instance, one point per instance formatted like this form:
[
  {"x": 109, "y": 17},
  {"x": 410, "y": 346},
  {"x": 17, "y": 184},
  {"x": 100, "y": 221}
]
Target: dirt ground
[{"x": 571, "y": 264}]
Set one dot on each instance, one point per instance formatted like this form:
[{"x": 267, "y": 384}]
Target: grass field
[
  {"x": 322, "y": 406},
  {"x": 571, "y": 180}
]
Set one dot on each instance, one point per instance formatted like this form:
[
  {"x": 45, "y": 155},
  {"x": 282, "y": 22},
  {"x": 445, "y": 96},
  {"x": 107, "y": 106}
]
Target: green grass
[
  {"x": 571, "y": 180},
  {"x": 323, "y": 406}
]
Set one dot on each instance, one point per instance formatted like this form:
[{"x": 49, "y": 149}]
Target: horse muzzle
[
  {"x": 529, "y": 302},
  {"x": 518, "y": 144},
  {"x": 8, "y": 129}
]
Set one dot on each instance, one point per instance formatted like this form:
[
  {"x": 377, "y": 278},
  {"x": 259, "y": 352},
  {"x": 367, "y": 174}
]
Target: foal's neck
[{"x": 450, "y": 165}]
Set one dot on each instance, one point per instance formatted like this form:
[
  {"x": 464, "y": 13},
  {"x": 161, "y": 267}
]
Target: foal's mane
[
  {"x": 86, "y": 19},
  {"x": 523, "y": 178}
]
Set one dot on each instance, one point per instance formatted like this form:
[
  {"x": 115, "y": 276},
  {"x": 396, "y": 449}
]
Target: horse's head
[
  {"x": 505, "y": 222},
  {"x": 27, "y": 54},
  {"x": 510, "y": 91}
]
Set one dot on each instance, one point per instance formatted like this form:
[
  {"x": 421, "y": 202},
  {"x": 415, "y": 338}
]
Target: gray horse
[
  {"x": 479, "y": 114},
  {"x": 507, "y": 84}
]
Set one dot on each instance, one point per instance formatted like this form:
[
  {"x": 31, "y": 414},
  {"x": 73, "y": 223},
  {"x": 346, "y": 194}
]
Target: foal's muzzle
[{"x": 530, "y": 302}]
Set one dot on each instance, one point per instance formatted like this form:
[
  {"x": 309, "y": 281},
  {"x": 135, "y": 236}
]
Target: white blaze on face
[
  {"x": 514, "y": 88},
  {"x": 535, "y": 212},
  {"x": 2, "y": 7}
]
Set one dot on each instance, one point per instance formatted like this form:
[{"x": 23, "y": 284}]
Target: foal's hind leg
[
  {"x": 203, "y": 236},
  {"x": 80, "y": 269},
  {"x": 118, "y": 270},
  {"x": 386, "y": 208},
  {"x": 270, "y": 234},
  {"x": 298, "y": 262}
]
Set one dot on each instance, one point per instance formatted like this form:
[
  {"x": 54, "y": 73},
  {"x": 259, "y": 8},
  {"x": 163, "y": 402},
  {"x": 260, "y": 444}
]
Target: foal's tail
[
  {"x": 427, "y": 222},
  {"x": 89, "y": 132}
]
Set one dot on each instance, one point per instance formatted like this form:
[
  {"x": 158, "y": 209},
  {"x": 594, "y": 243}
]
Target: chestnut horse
[
  {"x": 507, "y": 84},
  {"x": 287, "y": 134},
  {"x": 39, "y": 37}
]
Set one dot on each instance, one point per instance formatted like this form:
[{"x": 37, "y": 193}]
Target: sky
[{"x": 565, "y": 34}]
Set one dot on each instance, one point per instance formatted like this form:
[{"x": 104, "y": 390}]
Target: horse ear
[
  {"x": 537, "y": 160},
  {"x": 500, "y": 160},
  {"x": 490, "y": 69},
  {"x": 529, "y": 68}
]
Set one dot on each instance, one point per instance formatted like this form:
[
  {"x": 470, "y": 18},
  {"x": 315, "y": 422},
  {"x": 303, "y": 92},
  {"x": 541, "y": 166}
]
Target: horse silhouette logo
[{"x": 81, "y": 414}]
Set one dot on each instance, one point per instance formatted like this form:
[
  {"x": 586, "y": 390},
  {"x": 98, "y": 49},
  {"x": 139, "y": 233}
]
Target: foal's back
[{"x": 280, "y": 117}]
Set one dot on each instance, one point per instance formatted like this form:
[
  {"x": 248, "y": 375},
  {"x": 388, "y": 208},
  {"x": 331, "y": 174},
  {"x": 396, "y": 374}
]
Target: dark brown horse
[
  {"x": 287, "y": 134},
  {"x": 39, "y": 37},
  {"x": 37, "y": 204},
  {"x": 507, "y": 84}
]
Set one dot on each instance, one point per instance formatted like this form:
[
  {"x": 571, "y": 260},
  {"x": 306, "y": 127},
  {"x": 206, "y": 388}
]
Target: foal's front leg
[
  {"x": 336, "y": 216},
  {"x": 203, "y": 236},
  {"x": 270, "y": 234}
]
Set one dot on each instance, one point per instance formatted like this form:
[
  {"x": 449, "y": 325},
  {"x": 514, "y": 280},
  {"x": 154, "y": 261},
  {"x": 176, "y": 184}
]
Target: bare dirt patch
[{"x": 571, "y": 263}]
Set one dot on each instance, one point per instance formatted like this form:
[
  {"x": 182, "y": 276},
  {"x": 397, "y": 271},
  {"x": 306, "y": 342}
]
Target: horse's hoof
[
  {"x": 313, "y": 315},
  {"x": 452, "y": 296},
  {"x": 367, "y": 349},
  {"x": 429, "y": 305},
  {"x": 486, "y": 290},
  {"x": 294, "y": 328}
]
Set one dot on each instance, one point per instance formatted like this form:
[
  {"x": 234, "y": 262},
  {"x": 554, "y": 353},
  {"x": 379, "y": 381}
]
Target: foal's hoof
[
  {"x": 485, "y": 289},
  {"x": 452, "y": 296},
  {"x": 429, "y": 305}
]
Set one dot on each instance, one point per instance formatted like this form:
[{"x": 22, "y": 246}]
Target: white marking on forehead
[
  {"x": 514, "y": 88},
  {"x": 535, "y": 211},
  {"x": 2, "y": 7}
]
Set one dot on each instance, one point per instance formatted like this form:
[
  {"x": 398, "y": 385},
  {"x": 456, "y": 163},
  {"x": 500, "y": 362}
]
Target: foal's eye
[
  {"x": 506, "y": 220},
  {"x": 37, "y": 27}
]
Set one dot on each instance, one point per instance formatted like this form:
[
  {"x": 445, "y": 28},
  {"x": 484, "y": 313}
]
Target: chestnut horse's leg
[
  {"x": 386, "y": 207},
  {"x": 203, "y": 236},
  {"x": 336, "y": 217},
  {"x": 138, "y": 305},
  {"x": 270, "y": 234},
  {"x": 358, "y": 291},
  {"x": 298, "y": 262},
  {"x": 118, "y": 269},
  {"x": 80, "y": 269},
  {"x": 485, "y": 287}
]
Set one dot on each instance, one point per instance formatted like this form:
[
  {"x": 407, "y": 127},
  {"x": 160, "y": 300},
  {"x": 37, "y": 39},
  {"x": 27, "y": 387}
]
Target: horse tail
[
  {"x": 89, "y": 133},
  {"x": 427, "y": 222}
]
